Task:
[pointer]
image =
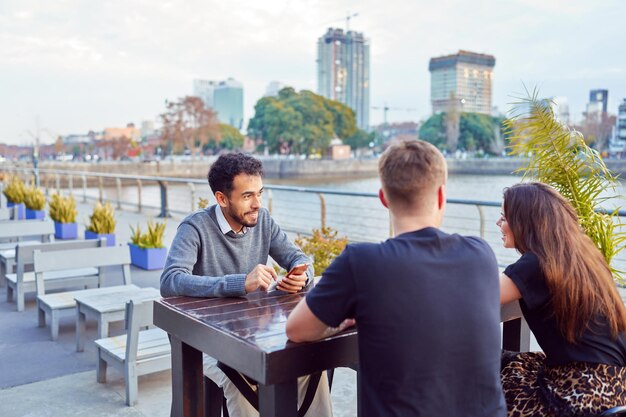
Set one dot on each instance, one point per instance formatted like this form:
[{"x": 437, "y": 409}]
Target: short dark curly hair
[{"x": 224, "y": 170}]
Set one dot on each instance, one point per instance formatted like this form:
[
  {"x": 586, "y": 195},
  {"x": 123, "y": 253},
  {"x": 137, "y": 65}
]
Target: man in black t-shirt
[{"x": 426, "y": 303}]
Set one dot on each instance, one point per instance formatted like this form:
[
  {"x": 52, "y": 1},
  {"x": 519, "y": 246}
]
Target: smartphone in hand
[{"x": 296, "y": 270}]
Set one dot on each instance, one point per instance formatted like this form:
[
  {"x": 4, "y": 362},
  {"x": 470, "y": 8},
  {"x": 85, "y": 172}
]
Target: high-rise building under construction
[{"x": 343, "y": 71}]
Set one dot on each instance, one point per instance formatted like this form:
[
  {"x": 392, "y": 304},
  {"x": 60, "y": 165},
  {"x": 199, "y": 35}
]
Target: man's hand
[
  {"x": 260, "y": 277},
  {"x": 342, "y": 326},
  {"x": 292, "y": 283}
]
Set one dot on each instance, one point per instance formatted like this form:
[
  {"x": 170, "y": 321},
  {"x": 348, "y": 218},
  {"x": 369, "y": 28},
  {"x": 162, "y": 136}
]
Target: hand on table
[
  {"x": 260, "y": 277},
  {"x": 292, "y": 283},
  {"x": 342, "y": 326}
]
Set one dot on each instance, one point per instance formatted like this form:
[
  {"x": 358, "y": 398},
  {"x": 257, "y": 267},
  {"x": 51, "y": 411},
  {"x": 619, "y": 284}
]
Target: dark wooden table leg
[
  {"x": 279, "y": 400},
  {"x": 187, "y": 380},
  {"x": 516, "y": 335},
  {"x": 359, "y": 393}
]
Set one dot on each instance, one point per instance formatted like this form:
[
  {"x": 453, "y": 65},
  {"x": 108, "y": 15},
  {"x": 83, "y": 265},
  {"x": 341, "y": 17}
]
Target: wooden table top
[{"x": 248, "y": 334}]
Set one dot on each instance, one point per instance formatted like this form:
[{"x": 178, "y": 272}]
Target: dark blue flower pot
[
  {"x": 151, "y": 258},
  {"x": 65, "y": 230},
  {"x": 109, "y": 237},
  {"x": 35, "y": 214},
  {"x": 21, "y": 209}
]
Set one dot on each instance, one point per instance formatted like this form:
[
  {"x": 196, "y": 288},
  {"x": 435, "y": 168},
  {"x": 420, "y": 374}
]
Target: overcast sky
[{"x": 80, "y": 65}]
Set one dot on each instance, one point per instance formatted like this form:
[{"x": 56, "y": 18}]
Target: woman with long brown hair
[{"x": 570, "y": 301}]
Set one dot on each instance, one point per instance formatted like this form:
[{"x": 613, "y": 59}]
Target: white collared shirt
[{"x": 223, "y": 223}]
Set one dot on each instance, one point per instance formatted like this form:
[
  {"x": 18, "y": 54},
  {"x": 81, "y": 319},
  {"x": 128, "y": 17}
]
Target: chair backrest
[
  {"x": 81, "y": 258},
  {"x": 24, "y": 228},
  {"x": 24, "y": 253},
  {"x": 139, "y": 314}
]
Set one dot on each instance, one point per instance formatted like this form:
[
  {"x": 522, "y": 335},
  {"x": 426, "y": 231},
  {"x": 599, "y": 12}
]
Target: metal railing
[{"x": 357, "y": 215}]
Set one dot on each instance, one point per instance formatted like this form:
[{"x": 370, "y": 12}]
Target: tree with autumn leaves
[{"x": 187, "y": 124}]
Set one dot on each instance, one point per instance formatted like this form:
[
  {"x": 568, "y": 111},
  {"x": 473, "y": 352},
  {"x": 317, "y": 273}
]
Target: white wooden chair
[
  {"x": 42, "y": 230},
  {"x": 49, "y": 262},
  {"x": 22, "y": 282},
  {"x": 138, "y": 352}
]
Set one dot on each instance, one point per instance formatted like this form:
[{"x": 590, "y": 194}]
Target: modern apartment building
[
  {"x": 462, "y": 81},
  {"x": 225, "y": 97},
  {"x": 598, "y": 101},
  {"x": 343, "y": 71},
  {"x": 621, "y": 123},
  {"x": 204, "y": 89}
]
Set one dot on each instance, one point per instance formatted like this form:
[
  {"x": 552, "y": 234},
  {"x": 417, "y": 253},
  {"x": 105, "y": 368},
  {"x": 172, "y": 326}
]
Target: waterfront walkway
[{"x": 44, "y": 378}]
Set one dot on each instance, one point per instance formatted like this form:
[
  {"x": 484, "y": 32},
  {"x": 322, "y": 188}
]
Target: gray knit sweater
[{"x": 204, "y": 262}]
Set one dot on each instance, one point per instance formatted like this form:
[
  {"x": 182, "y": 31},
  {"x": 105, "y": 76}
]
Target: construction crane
[
  {"x": 347, "y": 18},
  {"x": 386, "y": 108}
]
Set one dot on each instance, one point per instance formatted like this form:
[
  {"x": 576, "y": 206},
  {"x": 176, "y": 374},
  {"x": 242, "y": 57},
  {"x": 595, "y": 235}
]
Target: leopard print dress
[{"x": 574, "y": 390}]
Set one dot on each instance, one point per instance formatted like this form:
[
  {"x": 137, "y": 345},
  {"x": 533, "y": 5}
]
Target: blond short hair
[{"x": 411, "y": 172}]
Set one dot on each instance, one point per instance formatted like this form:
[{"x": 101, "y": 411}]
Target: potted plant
[
  {"x": 63, "y": 212},
  {"x": 35, "y": 203},
  {"x": 101, "y": 224},
  {"x": 146, "y": 249},
  {"x": 14, "y": 192}
]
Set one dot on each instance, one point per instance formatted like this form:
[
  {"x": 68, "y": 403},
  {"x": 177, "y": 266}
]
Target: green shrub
[
  {"x": 102, "y": 219},
  {"x": 203, "y": 203},
  {"x": 323, "y": 246},
  {"x": 34, "y": 198},
  {"x": 153, "y": 238},
  {"x": 62, "y": 209},
  {"x": 14, "y": 190}
]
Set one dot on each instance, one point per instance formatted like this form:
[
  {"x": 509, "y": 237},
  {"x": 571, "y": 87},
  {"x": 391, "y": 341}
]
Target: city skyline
[{"x": 79, "y": 66}]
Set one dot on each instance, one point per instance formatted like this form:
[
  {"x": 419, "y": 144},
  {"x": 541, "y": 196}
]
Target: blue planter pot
[
  {"x": 21, "y": 209},
  {"x": 35, "y": 214},
  {"x": 65, "y": 230},
  {"x": 109, "y": 237},
  {"x": 151, "y": 258}
]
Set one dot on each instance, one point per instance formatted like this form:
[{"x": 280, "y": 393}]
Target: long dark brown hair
[{"x": 581, "y": 284}]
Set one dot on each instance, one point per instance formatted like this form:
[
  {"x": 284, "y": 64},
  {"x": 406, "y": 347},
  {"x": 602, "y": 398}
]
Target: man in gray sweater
[{"x": 222, "y": 251}]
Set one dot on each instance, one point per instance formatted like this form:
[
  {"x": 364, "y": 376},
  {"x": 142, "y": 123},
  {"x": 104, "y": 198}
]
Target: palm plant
[{"x": 559, "y": 156}]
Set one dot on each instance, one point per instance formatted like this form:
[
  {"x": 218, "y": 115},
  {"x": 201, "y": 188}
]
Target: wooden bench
[
  {"x": 22, "y": 282},
  {"x": 42, "y": 230},
  {"x": 136, "y": 353},
  {"x": 49, "y": 262}
]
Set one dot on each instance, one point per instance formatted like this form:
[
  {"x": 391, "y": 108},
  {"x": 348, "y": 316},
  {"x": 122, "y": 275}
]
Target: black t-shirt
[
  {"x": 428, "y": 314},
  {"x": 596, "y": 344}
]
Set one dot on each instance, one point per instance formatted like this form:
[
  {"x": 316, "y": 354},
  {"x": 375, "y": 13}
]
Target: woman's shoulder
[{"x": 527, "y": 264}]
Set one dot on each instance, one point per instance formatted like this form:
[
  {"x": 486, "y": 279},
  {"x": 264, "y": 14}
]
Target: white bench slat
[
  {"x": 68, "y": 273},
  {"x": 81, "y": 258},
  {"x": 152, "y": 342}
]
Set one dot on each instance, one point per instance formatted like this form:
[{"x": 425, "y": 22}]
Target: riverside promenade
[{"x": 44, "y": 378}]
